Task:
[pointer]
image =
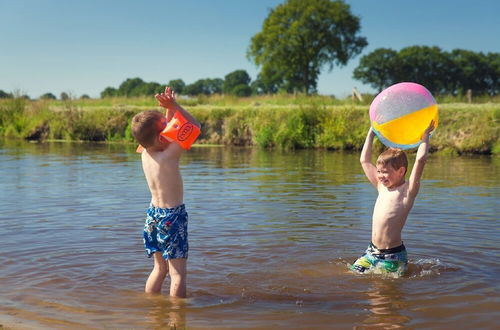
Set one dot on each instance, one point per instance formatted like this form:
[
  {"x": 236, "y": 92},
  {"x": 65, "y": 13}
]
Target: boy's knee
[{"x": 177, "y": 267}]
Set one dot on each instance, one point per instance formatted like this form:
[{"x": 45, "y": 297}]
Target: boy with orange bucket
[{"x": 162, "y": 142}]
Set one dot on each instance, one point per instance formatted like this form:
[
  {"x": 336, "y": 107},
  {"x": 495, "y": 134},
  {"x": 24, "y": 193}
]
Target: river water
[{"x": 271, "y": 237}]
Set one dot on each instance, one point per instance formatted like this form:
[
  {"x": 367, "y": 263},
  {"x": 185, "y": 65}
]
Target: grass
[{"x": 277, "y": 121}]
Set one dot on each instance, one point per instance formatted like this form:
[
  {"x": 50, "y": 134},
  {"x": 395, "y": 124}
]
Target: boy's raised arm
[
  {"x": 167, "y": 100},
  {"x": 366, "y": 159},
  {"x": 421, "y": 158}
]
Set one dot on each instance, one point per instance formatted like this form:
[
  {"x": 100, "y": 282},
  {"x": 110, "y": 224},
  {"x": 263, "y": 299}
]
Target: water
[{"x": 271, "y": 238}]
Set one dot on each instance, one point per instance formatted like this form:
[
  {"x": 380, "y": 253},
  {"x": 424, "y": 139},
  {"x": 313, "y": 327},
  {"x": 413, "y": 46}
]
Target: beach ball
[{"x": 401, "y": 113}]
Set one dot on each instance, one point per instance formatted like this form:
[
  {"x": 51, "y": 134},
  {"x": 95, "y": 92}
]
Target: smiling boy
[{"x": 396, "y": 196}]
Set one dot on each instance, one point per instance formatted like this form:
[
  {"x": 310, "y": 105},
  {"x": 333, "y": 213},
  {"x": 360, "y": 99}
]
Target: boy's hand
[
  {"x": 428, "y": 131},
  {"x": 167, "y": 99}
]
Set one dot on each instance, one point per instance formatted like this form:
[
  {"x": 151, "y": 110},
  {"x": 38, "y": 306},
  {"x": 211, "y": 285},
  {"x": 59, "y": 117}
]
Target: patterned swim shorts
[
  {"x": 388, "y": 260},
  {"x": 165, "y": 230}
]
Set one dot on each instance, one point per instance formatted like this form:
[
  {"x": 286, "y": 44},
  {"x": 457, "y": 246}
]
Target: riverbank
[{"x": 268, "y": 122}]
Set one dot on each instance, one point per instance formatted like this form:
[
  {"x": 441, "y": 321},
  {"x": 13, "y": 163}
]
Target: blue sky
[{"x": 82, "y": 47}]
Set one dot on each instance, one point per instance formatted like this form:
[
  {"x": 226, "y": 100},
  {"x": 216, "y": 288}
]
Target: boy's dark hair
[
  {"x": 394, "y": 157},
  {"x": 146, "y": 126}
]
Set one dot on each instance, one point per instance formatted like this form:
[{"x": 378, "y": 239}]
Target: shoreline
[{"x": 464, "y": 129}]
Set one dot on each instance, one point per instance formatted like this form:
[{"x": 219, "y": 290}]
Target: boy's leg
[
  {"x": 178, "y": 274},
  {"x": 157, "y": 276}
]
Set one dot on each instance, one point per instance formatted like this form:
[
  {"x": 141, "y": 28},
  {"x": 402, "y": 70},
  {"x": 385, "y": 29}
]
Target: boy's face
[
  {"x": 388, "y": 176},
  {"x": 162, "y": 123}
]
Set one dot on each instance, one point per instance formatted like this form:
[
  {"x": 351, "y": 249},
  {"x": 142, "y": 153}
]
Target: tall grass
[
  {"x": 285, "y": 122},
  {"x": 66, "y": 120}
]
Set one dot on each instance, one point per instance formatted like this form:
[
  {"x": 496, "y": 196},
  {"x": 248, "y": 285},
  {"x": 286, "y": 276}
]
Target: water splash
[{"x": 428, "y": 267}]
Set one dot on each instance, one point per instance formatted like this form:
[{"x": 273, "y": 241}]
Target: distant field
[{"x": 271, "y": 121}]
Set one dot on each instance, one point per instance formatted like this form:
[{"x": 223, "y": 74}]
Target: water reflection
[
  {"x": 386, "y": 305},
  {"x": 166, "y": 313}
]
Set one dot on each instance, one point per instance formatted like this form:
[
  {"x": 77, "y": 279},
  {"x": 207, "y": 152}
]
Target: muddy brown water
[{"x": 271, "y": 237}]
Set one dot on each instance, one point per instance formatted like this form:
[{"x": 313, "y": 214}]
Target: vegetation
[
  {"x": 205, "y": 87},
  {"x": 317, "y": 33},
  {"x": 285, "y": 122},
  {"x": 441, "y": 72},
  {"x": 237, "y": 83}
]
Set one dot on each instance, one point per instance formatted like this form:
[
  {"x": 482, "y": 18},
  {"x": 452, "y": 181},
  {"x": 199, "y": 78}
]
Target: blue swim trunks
[
  {"x": 393, "y": 260},
  {"x": 165, "y": 230}
]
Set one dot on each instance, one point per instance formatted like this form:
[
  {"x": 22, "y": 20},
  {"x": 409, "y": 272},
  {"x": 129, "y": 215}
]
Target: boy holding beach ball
[
  {"x": 386, "y": 251},
  {"x": 162, "y": 141}
]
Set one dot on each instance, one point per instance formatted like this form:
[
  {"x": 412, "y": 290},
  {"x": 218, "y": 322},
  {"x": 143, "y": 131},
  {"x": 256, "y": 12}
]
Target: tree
[
  {"x": 127, "y": 87},
  {"x": 64, "y": 96},
  {"x": 475, "y": 71},
  {"x": 441, "y": 72},
  {"x": 4, "y": 95},
  {"x": 48, "y": 96},
  {"x": 242, "y": 91},
  {"x": 425, "y": 65},
  {"x": 177, "y": 85},
  {"x": 378, "y": 68},
  {"x": 299, "y": 37},
  {"x": 205, "y": 87},
  {"x": 266, "y": 84},
  {"x": 239, "y": 80},
  {"x": 493, "y": 76},
  {"x": 215, "y": 85},
  {"x": 146, "y": 89},
  {"x": 109, "y": 92}
]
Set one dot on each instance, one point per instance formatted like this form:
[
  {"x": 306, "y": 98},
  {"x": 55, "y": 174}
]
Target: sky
[{"x": 83, "y": 46}]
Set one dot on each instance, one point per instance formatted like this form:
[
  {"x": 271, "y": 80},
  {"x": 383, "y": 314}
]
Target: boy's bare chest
[{"x": 393, "y": 201}]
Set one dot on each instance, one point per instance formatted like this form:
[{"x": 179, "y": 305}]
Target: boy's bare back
[
  {"x": 161, "y": 168},
  {"x": 161, "y": 161}
]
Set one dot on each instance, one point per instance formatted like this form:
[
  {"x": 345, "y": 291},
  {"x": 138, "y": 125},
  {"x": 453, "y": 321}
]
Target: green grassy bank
[{"x": 272, "y": 122}]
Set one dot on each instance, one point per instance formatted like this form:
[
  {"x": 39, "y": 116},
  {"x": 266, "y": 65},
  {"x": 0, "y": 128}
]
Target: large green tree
[{"x": 299, "y": 38}]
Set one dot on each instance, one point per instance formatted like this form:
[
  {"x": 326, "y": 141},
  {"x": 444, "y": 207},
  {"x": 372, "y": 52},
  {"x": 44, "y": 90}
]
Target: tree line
[
  {"x": 235, "y": 83},
  {"x": 442, "y": 72},
  {"x": 450, "y": 73}
]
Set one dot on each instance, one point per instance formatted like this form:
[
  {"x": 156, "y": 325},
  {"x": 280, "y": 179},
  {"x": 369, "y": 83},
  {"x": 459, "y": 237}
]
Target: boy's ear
[{"x": 402, "y": 171}]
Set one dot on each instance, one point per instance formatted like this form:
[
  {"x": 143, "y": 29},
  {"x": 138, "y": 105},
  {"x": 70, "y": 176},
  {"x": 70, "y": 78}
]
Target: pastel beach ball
[{"x": 401, "y": 113}]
